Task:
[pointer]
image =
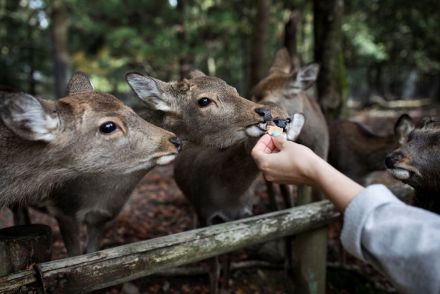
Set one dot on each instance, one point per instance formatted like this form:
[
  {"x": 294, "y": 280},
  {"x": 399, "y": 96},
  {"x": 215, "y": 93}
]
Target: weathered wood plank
[
  {"x": 120, "y": 264},
  {"x": 17, "y": 280}
]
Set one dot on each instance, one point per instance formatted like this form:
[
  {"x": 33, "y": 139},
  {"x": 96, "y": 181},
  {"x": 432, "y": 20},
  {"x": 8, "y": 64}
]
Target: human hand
[{"x": 286, "y": 162}]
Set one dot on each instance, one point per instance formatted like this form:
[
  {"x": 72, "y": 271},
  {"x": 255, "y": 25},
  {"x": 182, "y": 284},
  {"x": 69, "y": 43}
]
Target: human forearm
[{"x": 337, "y": 187}]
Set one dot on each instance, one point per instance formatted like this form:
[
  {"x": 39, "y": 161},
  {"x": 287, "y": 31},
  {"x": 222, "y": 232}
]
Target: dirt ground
[{"x": 157, "y": 208}]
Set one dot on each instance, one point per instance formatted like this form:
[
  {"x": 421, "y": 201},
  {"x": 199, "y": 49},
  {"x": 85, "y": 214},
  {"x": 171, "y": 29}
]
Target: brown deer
[
  {"x": 213, "y": 119},
  {"x": 356, "y": 151},
  {"x": 45, "y": 143},
  {"x": 285, "y": 87},
  {"x": 219, "y": 128},
  {"x": 416, "y": 163}
]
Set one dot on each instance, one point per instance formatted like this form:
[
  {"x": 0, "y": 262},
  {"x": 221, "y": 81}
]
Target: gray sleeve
[{"x": 401, "y": 241}]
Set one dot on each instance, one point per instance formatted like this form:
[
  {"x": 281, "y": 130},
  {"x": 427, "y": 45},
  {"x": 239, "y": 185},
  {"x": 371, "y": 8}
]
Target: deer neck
[
  {"x": 24, "y": 171},
  {"x": 427, "y": 198},
  {"x": 238, "y": 157}
]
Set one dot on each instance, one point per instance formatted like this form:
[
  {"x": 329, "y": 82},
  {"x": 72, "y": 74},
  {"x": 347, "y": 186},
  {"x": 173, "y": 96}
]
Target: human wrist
[
  {"x": 336, "y": 187},
  {"x": 313, "y": 171}
]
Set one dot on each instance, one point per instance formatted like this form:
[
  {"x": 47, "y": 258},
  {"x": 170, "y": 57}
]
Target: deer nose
[
  {"x": 264, "y": 112},
  {"x": 281, "y": 123},
  {"x": 392, "y": 158},
  {"x": 177, "y": 142}
]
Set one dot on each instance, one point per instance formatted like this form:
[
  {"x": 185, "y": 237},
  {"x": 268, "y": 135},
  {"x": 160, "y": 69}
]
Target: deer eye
[
  {"x": 108, "y": 127},
  {"x": 204, "y": 101}
]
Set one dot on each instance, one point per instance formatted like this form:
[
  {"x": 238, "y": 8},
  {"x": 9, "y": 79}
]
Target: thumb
[{"x": 279, "y": 141}]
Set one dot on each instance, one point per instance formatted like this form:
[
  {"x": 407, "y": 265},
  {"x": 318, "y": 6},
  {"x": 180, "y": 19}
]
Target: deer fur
[
  {"x": 44, "y": 144},
  {"x": 87, "y": 197},
  {"x": 356, "y": 151},
  {"x": 416, "y": 163}
]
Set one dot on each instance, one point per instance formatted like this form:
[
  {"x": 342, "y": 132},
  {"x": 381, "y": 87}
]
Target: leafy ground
[{"x": 158, "y": 208}]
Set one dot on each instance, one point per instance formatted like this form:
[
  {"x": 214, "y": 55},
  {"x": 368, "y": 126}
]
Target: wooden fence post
[
  {"x": 23, "y": 246},
  {"x": 310, "y": 254}
]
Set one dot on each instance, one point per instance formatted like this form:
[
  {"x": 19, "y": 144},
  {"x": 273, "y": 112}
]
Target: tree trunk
[
  {"x": 328, "y": 53},
  {"x": 258, "y": 43},
  {"x": 59, "y": 31},
  {"x": 184, "y": 60},
  {"x": 31, "y": 59},
  {"x": 290, "y": 36}
]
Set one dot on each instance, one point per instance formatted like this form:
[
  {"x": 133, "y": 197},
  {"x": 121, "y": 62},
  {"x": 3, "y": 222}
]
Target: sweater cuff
[{"x": 357, "y": 213}]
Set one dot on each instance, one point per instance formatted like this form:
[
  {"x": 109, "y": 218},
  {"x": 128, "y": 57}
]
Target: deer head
[
  {"x": 414, "y": 162},
  {"x": 84, "y": 132},
  {"x": 202, "y": 109},
  {"x": 283, "y": 83}
]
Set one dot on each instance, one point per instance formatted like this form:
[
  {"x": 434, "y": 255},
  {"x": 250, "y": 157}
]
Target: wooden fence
[{"x": 132, "y": 261}]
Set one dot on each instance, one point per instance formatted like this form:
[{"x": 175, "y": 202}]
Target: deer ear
[
  {"x": 148, "y": 90},
  {"x": 79, "y": 83},
  {"x": 295, "y": 126},
  {"x": 28, "y": 118},
  {"x": 196, "y": 74},
  {"x": 403, "y": 127},
  {"x": 305, "y": 77},
  {"x": 282, "y": 62}
]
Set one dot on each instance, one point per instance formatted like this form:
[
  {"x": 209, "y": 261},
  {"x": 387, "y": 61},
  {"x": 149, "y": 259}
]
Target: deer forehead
[
  {"x": 428, "y": 135},
  {"x": 212, "y": 86},
  {"x": 277, "y": 111},
  {"x": 93, "y": 102},
  {"x": 95, "y": 108},
  {"x": 272, "y": 83}
]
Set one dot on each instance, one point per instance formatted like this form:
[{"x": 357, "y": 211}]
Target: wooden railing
[{"x": 124, "y": 263}]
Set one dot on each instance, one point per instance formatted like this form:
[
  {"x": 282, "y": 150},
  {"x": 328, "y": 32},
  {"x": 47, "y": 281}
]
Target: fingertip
[
  {"x": 279, "y": 141},
  {"x": 275, "y": 134}
]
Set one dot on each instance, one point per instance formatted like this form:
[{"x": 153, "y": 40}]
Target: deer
[
  {"x": 415, "y": 162},
  {"x": 219, "y": 128},
  {"x": 44, "y": 143},
  {"x": 80, "y": 198},
  {"x": 356, "y": 151},
  {"x": 286, "y": 87}
]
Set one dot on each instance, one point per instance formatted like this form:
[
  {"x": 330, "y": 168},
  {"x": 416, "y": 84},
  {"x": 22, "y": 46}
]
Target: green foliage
[
  {"x": 401, "y": 32},
  {"x": 108, "y": 38},
  {"x": 362, "y": 40},
  {"x": 23, "y": 44}
]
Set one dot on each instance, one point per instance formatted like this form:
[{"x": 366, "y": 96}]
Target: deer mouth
[
  {"x": 294, "y": 126},
  {"x": 400, "y": 173},
  {"x": 256, "y": 130},
  {"x": 404, "y": 172},
  {"x": 165, "y": 159}
]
